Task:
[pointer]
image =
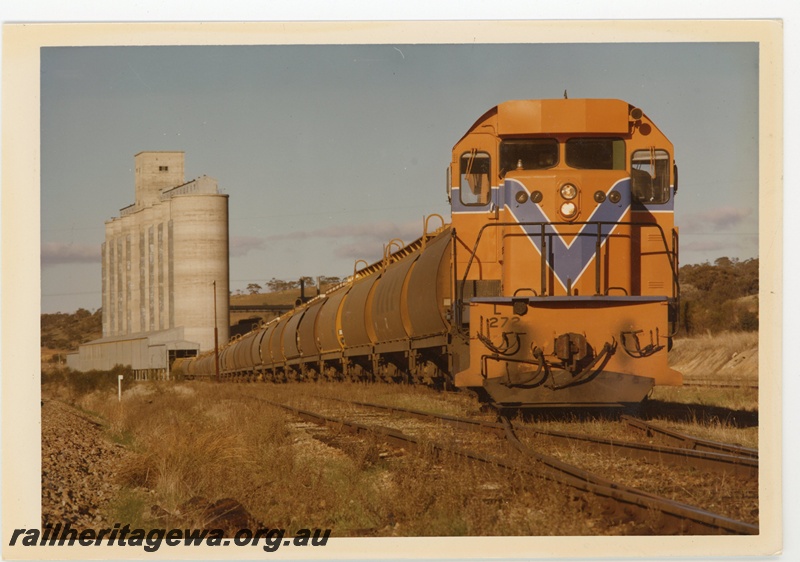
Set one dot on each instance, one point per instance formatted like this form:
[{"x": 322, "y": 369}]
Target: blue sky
[{"x": 327, "y": 152}]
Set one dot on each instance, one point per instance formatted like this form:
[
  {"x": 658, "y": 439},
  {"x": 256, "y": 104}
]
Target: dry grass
[
  {"x": 718, "y": 430},
  {"x": 737, "y": 399},
  {"x": 401, "y": 396},
  {"x": 198, "y": 444},
  {"x": 213, "y": 441},
  {"x": 731, "y": 356}
]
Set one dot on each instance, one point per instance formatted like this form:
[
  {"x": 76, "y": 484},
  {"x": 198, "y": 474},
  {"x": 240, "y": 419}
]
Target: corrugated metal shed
[{"x": 141, "y": 352}]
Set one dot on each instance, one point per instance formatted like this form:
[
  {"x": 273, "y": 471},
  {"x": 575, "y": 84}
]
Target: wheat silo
[
  {"x": 164, "y": 263},
  {"x": 199, "y": 234}
]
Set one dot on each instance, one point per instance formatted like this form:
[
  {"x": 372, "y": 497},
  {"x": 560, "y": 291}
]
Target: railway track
[
  {"x": 693, "y": 452},
  {"x": 623, "y": 502},
  {"x": 691, "y": 442},
  {"x": 716, "y": 384}
]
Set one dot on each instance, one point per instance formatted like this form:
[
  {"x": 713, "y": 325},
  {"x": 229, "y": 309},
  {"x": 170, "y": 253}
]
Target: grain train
[{"x": 554, "y": 284}]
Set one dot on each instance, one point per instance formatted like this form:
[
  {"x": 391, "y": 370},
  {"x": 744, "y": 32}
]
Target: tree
[
  {"x": 67, "y": 331},
  {"x": 253, "y": 288},
  {"x": 330, "y": 281},
  {"x": 714, "y": 298},
  {"x": 275, "y": 285}
]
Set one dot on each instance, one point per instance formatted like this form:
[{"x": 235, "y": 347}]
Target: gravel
[{"x": 77, "y": 468}]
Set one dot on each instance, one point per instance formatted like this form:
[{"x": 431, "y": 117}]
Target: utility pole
[{"x": 216, "y": 334}]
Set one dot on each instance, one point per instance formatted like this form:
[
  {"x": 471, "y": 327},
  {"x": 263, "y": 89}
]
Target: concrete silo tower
[
  {"x": 200, "y": 262},
  {"x": 162, "y": 259}
]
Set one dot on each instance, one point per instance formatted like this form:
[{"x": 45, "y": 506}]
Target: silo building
[{"x": 164, "y": 272}]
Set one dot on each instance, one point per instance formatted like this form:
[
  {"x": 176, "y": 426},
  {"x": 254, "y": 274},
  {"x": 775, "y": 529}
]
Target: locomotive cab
[{"x": 566, "y": 254}]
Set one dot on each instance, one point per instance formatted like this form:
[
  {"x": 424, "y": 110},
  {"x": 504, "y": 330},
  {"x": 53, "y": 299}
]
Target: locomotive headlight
[
  {"x": 569, "y": 209},
  {"x": 615, "y": 197},
  {"x": 521, "y": 197},
  {"x": 536, "y": 197},
  {"x": 569, "y": 191},
  {"x": 599, "y": 196}
]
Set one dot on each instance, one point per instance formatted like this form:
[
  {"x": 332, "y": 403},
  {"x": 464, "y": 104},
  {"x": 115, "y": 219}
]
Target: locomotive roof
[{"x": 557, "y": 116}]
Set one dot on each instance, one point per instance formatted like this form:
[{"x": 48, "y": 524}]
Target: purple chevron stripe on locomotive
[{"x": 569, "y": 261}]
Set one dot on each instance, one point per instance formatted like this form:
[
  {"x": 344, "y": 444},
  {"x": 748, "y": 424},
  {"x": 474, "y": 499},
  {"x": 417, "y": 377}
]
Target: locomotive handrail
[
  {"x": 671, "y": 254},
  {"x": 676, "y": 267}
]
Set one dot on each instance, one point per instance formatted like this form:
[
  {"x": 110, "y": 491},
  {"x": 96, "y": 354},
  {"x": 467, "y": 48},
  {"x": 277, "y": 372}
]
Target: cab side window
[
  {"x": 475, "y": 171},
  {"x": 650, "y": 176}
]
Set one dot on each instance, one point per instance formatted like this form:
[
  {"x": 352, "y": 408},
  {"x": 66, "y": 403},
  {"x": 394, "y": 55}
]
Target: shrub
[{"x": 81, "y": 384}]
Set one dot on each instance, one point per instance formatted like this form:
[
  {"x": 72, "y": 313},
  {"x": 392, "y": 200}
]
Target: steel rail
[
  {"x": 675, "y": 517},
  {"x": 713, "y": 384},
  {"x": 689, "y": 441},
  {"x": 737, "y": 465},
  {"x": 745, "y": 467}
]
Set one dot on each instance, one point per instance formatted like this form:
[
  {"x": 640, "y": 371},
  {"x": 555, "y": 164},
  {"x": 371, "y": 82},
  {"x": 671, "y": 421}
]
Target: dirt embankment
[{"x": 729, "y": 356}]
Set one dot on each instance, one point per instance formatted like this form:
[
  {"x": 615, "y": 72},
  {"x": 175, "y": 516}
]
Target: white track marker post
[{"x": 119, "y": 388}]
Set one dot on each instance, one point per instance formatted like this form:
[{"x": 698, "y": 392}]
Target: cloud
[
  {"x": 357, "y": 241},
  {"x": 369, "y": 250},
  {"x": 707, "y": 246},
  {"x": 696, "y": 249},
  {"x": 55, "y": 253},
  {"x": 720, "y": 218},
  {"x": 354, "y": 241},
  {"x": 241, "y": 245}
]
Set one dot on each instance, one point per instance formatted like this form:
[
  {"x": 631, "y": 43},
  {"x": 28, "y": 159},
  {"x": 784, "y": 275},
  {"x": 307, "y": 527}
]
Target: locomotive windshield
[
  {"x": 595, "y": 153},
  {"x": 528, "y": 154},
  {"x": 650, "y": 176}
]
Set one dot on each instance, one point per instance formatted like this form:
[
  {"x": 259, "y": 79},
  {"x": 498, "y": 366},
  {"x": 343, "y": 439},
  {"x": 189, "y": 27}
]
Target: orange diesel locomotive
[{"x": 555, "y": 284}]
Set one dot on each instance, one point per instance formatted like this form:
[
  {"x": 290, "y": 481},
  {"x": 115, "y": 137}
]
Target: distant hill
[
  {"x": 64, "y": 332},
  {"x": 719, "y": 297}
]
